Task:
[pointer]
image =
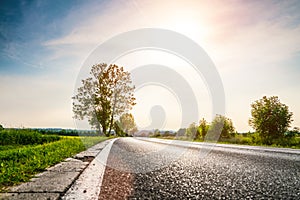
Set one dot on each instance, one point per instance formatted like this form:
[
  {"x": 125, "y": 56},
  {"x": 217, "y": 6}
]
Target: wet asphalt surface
[{"x": 145, "y": 170}]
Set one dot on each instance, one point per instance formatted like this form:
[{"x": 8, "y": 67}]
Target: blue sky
[
  {"x": 24, "y": 26},
  {"x": 255, "y": 46}
]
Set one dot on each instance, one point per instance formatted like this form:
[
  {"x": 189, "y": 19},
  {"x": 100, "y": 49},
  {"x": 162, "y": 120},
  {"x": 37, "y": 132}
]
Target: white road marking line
[{"x": 88, "y": 184}]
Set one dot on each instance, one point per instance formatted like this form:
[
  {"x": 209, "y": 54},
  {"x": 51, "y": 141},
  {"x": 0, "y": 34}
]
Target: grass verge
[
  {"x": 293, "y": 143},
  {"x": 19, "y": 165}
]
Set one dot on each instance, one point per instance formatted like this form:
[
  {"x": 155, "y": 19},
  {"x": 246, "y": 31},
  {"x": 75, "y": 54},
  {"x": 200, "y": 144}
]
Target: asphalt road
[{"x": 139, "y": 169}]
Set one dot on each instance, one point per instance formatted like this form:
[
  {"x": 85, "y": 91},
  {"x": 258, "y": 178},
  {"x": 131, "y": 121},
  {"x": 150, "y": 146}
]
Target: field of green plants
[
  {"x": 252, "y": 139},
  {"x": 24, "y": 153}
]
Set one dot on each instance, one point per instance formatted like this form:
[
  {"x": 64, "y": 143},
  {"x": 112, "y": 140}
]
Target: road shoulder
[{"x": 55, "y": 181}]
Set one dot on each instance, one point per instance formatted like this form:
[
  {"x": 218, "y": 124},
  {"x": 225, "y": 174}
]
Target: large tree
[
  {"x": 104, "y": 96},
  {"x": 270, "y": 118}
]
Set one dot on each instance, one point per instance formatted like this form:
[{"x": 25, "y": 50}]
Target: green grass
[
  {"x": 90, "y": 141},
  {"x": 21, "y": 164},
  {"x": 252, "y": 140}
]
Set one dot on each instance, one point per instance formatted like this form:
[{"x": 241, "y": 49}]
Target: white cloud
[{"x": 232, "y": 32}]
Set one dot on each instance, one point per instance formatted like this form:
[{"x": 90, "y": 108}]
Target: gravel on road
[{"x": 146, "y": 170}]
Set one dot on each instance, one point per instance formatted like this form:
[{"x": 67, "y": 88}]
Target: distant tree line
[
  {"x": 1, "y": 127},
  {"x": 220, "y": 128},
  {"x": 67, "y": 132},
  {"x": 55, "y": 131},
  {"x": 270, "y": 119}
]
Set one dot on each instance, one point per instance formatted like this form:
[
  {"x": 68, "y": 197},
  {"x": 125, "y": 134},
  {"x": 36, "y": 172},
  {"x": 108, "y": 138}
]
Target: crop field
[{"x": 23, "y": 153}]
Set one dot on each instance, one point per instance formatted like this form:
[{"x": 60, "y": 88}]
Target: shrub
[
  {"x": 287, "y": 142},
  {"x": 256, "y": 139},
  {"x": 246, "y": 140},
  {"x": 221, "y": 126}
]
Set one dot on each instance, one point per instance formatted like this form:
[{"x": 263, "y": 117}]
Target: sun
[{"x": 190, "y": 26}]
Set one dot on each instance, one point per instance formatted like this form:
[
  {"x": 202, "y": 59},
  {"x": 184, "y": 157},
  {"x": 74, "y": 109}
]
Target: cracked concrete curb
[
  {"x": 53, "y": 183},
  {"x": 88, "y": 184}
]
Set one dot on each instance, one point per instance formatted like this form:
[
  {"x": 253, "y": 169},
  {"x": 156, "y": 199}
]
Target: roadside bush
[
  {"x": 156, "y": 133},
  {"x": 239, "y": 139},
  {"x": 287, "y": 141},
  {"x": 246, "y": 140},
  {"x": 256, "y": 139},
  {"x": 243, "y": 139}
]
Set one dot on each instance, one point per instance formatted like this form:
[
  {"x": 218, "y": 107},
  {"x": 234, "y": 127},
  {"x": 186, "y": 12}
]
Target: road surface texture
[{"x": 143, "y": 169}]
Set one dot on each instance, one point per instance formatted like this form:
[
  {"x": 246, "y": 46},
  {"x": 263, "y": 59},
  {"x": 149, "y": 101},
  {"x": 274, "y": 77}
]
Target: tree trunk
[
  {"x": 112, "y": 115},
  {"x": 111, "y": 123},
  {"x": 104, "y": 131}
]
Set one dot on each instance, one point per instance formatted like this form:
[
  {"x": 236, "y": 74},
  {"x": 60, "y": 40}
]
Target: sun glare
[{"x": 190, "y": 26}]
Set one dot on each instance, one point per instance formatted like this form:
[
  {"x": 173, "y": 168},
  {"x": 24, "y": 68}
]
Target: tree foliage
[
  {"x": 1, "y": 127},
  {"x": 118, "y": 130},
  {"x": 104, "y": 96},
  {"x": 127, "y": 123},
  {"x": 203, "y": 128},
  {"x": 181, "y": 132},
  {"x": 270, "y": 118},
  {"x": 223, "y": 126},
  {"x": 192, "y": 131}
]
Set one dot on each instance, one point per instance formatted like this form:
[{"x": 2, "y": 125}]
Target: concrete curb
[
  {"x": 88, "y": 185},
  {"x": 53, "y": 183}
]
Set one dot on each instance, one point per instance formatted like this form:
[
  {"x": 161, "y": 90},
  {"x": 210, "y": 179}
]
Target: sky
[{"x": 254, "y": 45}]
